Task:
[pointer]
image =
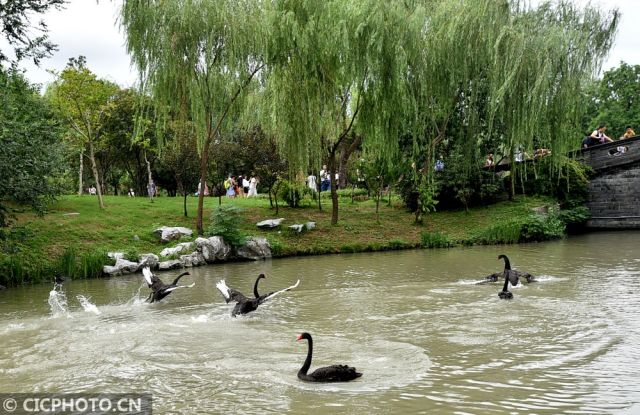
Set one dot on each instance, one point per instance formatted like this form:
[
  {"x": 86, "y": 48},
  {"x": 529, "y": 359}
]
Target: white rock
[
  {"x": 269, "y": 223},
  {"x": 167, "y": 233}
]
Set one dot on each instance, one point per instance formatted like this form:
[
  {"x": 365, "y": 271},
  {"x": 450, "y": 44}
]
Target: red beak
[{"x": 299, "y": 337}]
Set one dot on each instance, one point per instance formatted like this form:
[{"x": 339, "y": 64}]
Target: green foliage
[
  {"x": 276, "y": 245},
  {"x": 398, "y": 244},
  {"x": 292, "y": 193},
  {"x": 226, "y": 221},
  {"x": 30, "y": 150},
  {"x": 435, "y": 240},
  {"x": 613, "y": 101},
  {"x": 132, "y": 255},
  {"x": 18, "y": 30},
  {"x": 91, "y": 264},
  {"x": 533, "y": 228},
  {"x": 542, "y": 228},
  {"x": 507, "y": 232}
]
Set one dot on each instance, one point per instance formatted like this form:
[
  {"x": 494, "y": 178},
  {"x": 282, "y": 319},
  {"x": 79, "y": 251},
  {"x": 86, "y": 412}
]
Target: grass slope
[{"x": 76, "y": 231}]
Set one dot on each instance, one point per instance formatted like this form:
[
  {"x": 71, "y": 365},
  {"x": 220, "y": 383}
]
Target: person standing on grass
[
  {"x": 253, "y": 186},
  {"x": 245, "y": 185}
]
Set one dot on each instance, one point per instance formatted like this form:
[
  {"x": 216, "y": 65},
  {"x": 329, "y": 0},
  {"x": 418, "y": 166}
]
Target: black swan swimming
[
  {"x": 160, "y": 289},
  {"x": 333, "y": 373},
  {"x": 246, "y": 305},
  {"x": 58, "y": 281},
  {"x": 514, "y": 275}
]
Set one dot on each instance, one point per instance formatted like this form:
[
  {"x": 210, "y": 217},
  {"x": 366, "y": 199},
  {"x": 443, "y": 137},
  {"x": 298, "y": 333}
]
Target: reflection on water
[{"x": 427, "y": 339}]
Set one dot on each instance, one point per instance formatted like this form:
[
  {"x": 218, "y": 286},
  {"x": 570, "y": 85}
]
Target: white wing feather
[
  {"x": 270, "y": 296},
  {"x": 224, "y": 290},
  {"x": 146, "y": 271},
  {"x": 168, "y": 290}
]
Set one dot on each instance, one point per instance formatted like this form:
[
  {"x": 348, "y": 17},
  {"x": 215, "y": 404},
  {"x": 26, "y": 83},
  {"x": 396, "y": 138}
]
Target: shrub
[
  {"x": 131, "y": 255},
  {"x": 435, "y": 240},
  {"x": 91, "y": 264},
  {"x": 397, "y": 244},
  {"x": 292, "y": 193},
  {"x": 276, "y": 246},
  {"x": 501, "y": 233},
  {"x": 225, "y": 222},
  {"x": 542, "y": 228}
]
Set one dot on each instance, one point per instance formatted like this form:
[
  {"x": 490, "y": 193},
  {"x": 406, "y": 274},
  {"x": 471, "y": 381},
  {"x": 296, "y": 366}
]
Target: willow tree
[
  {"x": 335, "y": 66},
  {"x": 507, "y": 70},
  {"x": 204, "y": 53}
]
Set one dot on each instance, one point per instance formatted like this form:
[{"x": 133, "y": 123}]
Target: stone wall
[{"x": 614, "y": 193}]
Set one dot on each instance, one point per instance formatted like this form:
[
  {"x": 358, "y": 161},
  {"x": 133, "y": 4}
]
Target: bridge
[{"x": 614, "y": 191}]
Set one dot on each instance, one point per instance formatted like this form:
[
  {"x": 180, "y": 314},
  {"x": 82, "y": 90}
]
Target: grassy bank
[{"x": 74, "y": 236}]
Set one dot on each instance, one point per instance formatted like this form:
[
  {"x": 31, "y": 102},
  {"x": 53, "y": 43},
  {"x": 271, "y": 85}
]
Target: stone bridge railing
[{"x": 614, "y": 192}]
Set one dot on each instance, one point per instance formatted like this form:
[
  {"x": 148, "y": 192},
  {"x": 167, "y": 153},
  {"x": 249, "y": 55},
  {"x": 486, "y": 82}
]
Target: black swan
[
  {"x": 246, "y": 305},
  {"x": 58, "y": 281},
  {"x": 514, "y": 275},
  {"x": 160, "y": 289},
  {"x": 333, "y": 373}
]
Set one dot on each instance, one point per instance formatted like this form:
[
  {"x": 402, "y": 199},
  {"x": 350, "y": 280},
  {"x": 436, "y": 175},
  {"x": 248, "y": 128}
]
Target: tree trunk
[
  {"x": 334, "y": 190},
  {"x": 94, "y": 170},
  {"x": 149, "y": 177},
  {"x": 348, "y": 149},
  {"x": 80, "y": 173},
  {"x": 185, "y": 204},
  {"x": 204, "y": 163}
]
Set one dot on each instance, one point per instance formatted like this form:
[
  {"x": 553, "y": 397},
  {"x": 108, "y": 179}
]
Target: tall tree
[
  {"x": 83, "y": 102},
  {"x": 335, "y": 66},
  {"x": 504, "y": 69},
  {"x": 205, "y": 53},
  {"x": 30, "y": 151},
  {"x": 18, "y": 31}
]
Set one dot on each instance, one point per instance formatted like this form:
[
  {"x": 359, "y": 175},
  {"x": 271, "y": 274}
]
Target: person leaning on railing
[
  {"x": 628, "y": 133},
  {"x": 600, "y": 135}
]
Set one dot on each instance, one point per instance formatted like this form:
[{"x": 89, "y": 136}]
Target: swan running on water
[
  {"x": 333, "y": 373},
  {"x": 246, "y": 305},
  {"x": 160, "y": 289}
]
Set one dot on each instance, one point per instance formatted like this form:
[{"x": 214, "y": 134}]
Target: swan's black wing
[
  {"x": 269, "y": 296},
  {"x": 491, "y": 278},
  {"x": 230, "y": 294},
  {"x": 335, "y": 373}
]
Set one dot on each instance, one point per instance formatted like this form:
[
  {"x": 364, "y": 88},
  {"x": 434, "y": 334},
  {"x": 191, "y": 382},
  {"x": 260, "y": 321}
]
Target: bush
[
  {"x": 292, "y": 193},
  {"x": 500, "y": 233},
  {"x": 435, "y": 240},
  {"x": 542, "y": 228},
  {"x": 534, "y": 228},
  {"x": 225, "y": 222}
]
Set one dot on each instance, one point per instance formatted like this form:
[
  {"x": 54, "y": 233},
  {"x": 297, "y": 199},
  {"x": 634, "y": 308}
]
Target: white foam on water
[
  {"x": 58, "y": 304},
  {"x": 87, "y": 305}
]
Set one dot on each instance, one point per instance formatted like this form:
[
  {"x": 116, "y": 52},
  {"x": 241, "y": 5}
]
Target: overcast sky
[{"x": 89, "y": 28}]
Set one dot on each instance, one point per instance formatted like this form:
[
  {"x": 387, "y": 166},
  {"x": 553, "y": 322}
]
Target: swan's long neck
[
  {"x": 255, "y": 287},
  {"x": 506, "y": 281},
  {"x": 307, "y": 363},
  {"x": 507, "y": 264}
]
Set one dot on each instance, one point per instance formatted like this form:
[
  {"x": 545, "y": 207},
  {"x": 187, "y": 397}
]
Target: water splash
[
  {"x": 58, "y": 302},
  {"x": 87, "y": 305}
]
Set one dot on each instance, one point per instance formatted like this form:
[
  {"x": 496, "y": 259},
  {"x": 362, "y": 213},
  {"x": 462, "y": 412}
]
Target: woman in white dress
[{"x": 253, "y": 186}]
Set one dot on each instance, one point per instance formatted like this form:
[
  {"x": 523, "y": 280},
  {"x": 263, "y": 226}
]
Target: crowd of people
[{"x": 241, "y": 186}]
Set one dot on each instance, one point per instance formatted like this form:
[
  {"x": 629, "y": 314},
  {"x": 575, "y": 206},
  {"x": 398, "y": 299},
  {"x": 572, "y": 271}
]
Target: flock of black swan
[{"x": 244, "y": 305}]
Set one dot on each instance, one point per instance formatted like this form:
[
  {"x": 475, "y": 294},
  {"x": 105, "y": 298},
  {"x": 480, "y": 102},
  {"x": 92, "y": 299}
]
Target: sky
[{"x": 89, "y": 28}]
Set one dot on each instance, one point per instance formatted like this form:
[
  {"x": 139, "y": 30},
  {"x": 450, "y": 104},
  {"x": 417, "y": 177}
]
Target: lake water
[{"x": 427, "y": 339}]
